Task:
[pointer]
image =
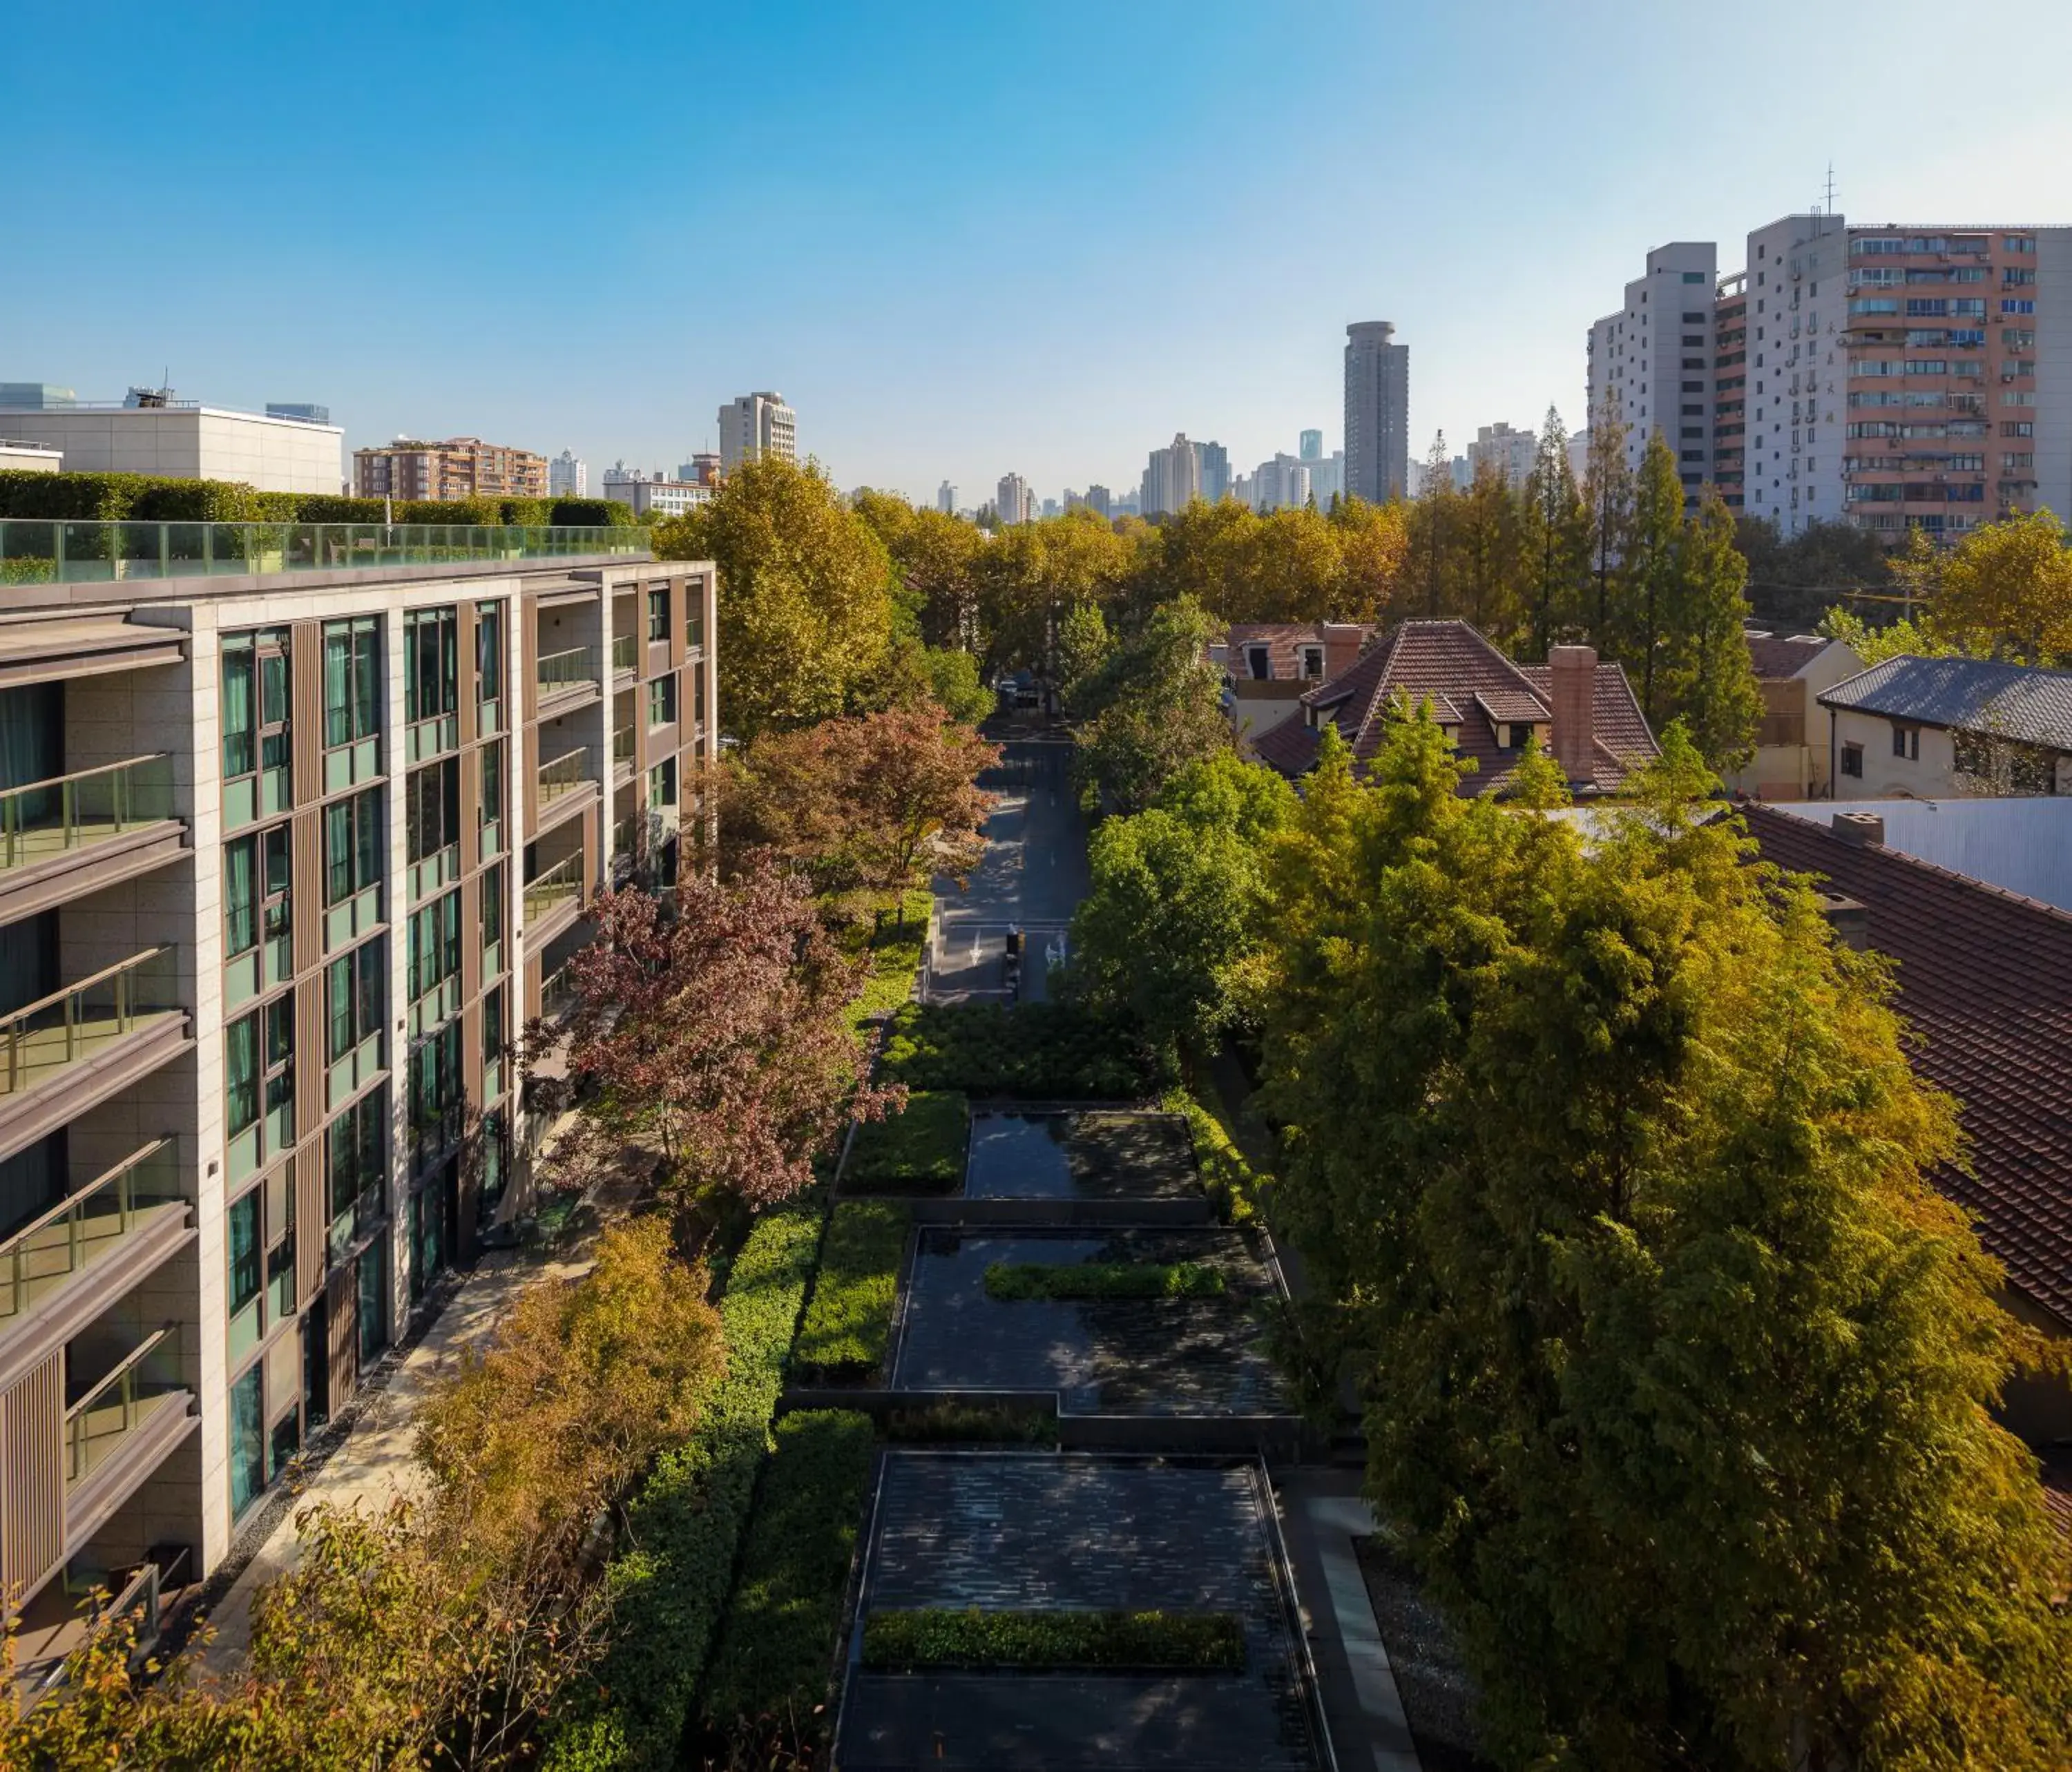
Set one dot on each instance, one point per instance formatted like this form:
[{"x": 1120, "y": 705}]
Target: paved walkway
[
  {"x": 374, "y": 1464},
  {"x": 1321, "y": 1512}
]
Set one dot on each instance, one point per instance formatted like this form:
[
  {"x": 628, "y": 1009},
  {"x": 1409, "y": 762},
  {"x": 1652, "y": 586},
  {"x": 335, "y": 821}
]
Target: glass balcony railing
[
  {"x": 565, "y": 774},
  {"x": 108, "y": 1417},
  {"x": 622, "y": 745},
  {"x": 565, "y": 670},
  {"x": 560, "y": 883},
  {"x": 64, "y": 553},
  {"x": 558, "y": 992},
  {"x": 48, "y": 818},
  {"x": 83, "y": 1227},
  {"x": 43, "y": 1037},
  {"x": 625, "y": 653}
]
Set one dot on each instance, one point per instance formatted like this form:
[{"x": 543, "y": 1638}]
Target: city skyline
[{"x": 883, "y": 297}]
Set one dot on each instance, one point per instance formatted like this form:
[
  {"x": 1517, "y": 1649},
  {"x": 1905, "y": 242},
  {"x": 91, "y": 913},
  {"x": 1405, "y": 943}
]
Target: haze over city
[{"x": 1039, "y": 240}]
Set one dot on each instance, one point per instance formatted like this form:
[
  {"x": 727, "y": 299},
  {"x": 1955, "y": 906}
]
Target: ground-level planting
[
  {"x": 1081, "y": 1154},
  {"x": 914, "y": 1638},
  {"x": 848, "y": 1321},
  {"x": 1011, "y": 1279},
  {"x": 920, "y": 1149}
]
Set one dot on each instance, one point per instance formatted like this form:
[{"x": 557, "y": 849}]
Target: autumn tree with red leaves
[
  {"x": 718, "y": 1038},
  {"x": 878, "y": 801}
]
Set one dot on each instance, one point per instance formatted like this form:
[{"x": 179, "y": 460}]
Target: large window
[
  {"x": 352, "y": 681},
  {"x": 658, "y": 613},
  {"x": 255, "y": 890},
  {"x": 431, "y": 657},
  {"x": 353, "y": 836},
  {"x": 248, "y": 1439},
  {"x": 492, "y": 785},
  {"x": 354, "y": 985},
  {"x": 489, "y": 651},
  {"x": 259, "y": 1059},
  {"x": 436, "y": 1092},
  {"x": 355, "y": 1163},
  {"x": 662, "y": 783},
  {"x": 261, "y": 1254},
  {"x": 255, "y": 724},
  {"x": 662, "y": 700},
  {"x": 434, "y": 955},
  {"x": 492, "y": 888},
  {"x": 432, "y": 809}
]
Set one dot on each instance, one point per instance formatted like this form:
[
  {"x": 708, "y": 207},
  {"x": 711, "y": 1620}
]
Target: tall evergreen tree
[
  {"x": 1712, "y": 685},
  {"x": 1434, "y": 519},
  {"x": 1653, "y": 550},
  {"x": 1489, "y": 525},
  {"x": 1608, "y": 491},
  {"x": 1557, "y": 536}
]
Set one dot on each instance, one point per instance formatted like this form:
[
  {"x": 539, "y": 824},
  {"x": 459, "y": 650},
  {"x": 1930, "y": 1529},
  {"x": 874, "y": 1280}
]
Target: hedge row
[
  {"x": 936, "y": 1636},
  {"x": 849, "y": 1320},
  {"x": 1237, "y": 1189},
  {"x": 669, "y": 1583},
  {"x": 1035, "y": 1051},
  {"x": 1064, "y": 1279},
  {"x": 146, "y": 497},
  {"x": 779, "y": 1643},
  {"x": 918, "y": 1151}
]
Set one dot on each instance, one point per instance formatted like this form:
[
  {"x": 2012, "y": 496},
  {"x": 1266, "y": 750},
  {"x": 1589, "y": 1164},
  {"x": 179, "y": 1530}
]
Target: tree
[
  {"x": 1374, "y": 543},
  {"x": 1172, "y": 926},
  {"x": 1609, "y": 1167},
  {"x": 1488, "y": 550},
  {"x": 1432, "y": 524},
  {"x": 718, "y": 1038},
  {"x": 1875, "y": 645},
  {"x": 2004, "y": 591},
  {"x": 877, "y": 800},
  {"x": 1650, "y": 565},
  {"x": 1790, "y": 582},
  {"x": 1155, "y": 706},
  {"x": 1608, "y": 491},
  {"x": 1709, "y": 676},
  {"x": 805, "y": 594},
  {"x": 1557, "y": 542},
  {"x": 913, "y": 675}
]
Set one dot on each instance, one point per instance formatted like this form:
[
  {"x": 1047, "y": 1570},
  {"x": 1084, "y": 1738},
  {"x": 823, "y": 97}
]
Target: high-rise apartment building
[
  {"x": 460, "y": 467},
  {"x": 1014, "y": 501},
  {"x": 1896, "y": 375},
  {"x": 568, "y": 476},
  {"x": 1099, "y": 499},
  {"x": 1172, "y": 478},
  {"x": 1212, "y": 469},
  {"x": 294, "y": 851},
  {"x": 1652, "y": 359},
  {"x": 1282, "y": 482},
  {"x": 756, "y": 426},
  {"x": 1509, "y": 452},
  {"x": 1377, "y": 412},
  {"x": 945, "y": 498},
  {"x": 1309, "y": 446}
]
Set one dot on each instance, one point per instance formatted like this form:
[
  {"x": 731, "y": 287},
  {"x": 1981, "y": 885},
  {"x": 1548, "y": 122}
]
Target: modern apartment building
[
  {"x": 945, "y": 498},
  {"x": 293, "y": 848},
  {"x": 1895, "y": 375},
  {"x": 1171, "y": 477},
  {"x": 1099, "y": 499},
  {"x": 1652, "y": 359},
  {"x": 181, "y": 439},
  {"x": 460, "y": 467},
  {"x": 568, "y": 476},
  {"x": 1013, "y": 501},
  {"x": 756, "y": 426},
  {"x": 1377, "y": 412},
  {"x": 1510, "y": 453},
  {"x": 1212, "y": 469}
]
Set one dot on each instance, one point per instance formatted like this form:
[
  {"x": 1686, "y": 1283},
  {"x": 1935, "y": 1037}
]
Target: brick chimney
[{"x": 1572, "y": 677}]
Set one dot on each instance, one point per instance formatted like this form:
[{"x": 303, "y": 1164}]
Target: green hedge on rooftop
[{"x": 147, "y": 498}]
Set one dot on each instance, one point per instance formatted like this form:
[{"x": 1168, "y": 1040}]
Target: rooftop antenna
[{"x": 1828, "y": 206}]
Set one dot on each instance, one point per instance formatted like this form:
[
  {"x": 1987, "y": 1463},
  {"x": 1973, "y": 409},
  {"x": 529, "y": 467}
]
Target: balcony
[
  {"x": 625, "y": 655},
  {"x": 74, "y": 834},
  {"x": 68, "y": 553},
  {"x": 115, "y": 1230},
  {"x": 565, "y": 785},
  {"x": 557, "y": 992},
  {"x": 111, "y": 1414},
  {"x": 557, "y": 888},
  {"x": 622, "y": 753},
  {"x": 67, "y": 1051},
  {"x": 569, "y": 678}
]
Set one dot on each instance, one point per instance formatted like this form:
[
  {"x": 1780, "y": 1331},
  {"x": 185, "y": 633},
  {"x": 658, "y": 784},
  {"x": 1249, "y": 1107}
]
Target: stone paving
[
  {"x": 1006, "y": 1530},
  {"x": 1111, "y": 1356},
  {"x": 1093, "y": 1154}
]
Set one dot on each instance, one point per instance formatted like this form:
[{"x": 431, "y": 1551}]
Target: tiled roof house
[
  {"x": 1580, "y": 710},
  {"x": 1268, "y": 665}
]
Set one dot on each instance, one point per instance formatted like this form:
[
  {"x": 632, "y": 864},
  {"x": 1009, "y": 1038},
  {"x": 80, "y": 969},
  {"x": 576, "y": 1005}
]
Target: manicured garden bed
[
  {"x": 972, "y": 1423},
  {"x": 1237, "y": 1189},
  {"x": 905, "y": 1641},
  {"x": 777, "y": 1651},
  {"x": 1017, "y": 1280},
  {"x": 850, "y": 1319},
  {"x": 895, "y": 950},
  {"x": 918, "y": 1151},
  {"x": 1031, "y": 1051}
]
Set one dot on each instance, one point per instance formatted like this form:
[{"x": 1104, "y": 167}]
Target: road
[{"x": 1032, "y": 877}]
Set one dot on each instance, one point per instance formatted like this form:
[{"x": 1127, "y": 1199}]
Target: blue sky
[{"x": 961, "y": 239}]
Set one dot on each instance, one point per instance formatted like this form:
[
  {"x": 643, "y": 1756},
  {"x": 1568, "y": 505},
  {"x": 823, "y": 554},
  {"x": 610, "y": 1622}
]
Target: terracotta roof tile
[
  {"x": 1776, "y": 656},
  {"x": 1986, "y": 977}
]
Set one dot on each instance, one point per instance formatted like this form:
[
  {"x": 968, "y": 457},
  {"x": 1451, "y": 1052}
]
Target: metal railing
[
  {"x": 37, "y": 552},
  {"x": 622, "y": 745},
  {"x": 566, "y": 669},
  {"x": 66, "y": 811},
  {"x": 563, "y": 774},
  {"x": 84, "y": 1226},
  {"x": 624, "y": 653},
  {"x": 109, "y": 1413},
  {"x": 55, "y": 1030},
  {"x": 560, "y": 883},
  {"x": 558, "y": 992},
  {"x": 140, "y": 1595}
]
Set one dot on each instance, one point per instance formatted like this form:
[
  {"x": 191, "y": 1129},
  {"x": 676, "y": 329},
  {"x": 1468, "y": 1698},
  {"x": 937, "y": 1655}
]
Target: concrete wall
[
  {"x": 273, "y": 455},
  {"x": 1933, "y": 776}
]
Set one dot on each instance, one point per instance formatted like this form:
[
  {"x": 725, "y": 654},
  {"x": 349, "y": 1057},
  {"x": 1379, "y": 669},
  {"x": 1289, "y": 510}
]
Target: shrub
[
  {"x": 849, "y": 1320},
  {"x": 778, "y": 1647},
  {"x": 525, "y": 513},
  {"x": 70, "y": 498},
  {"x": 939, "y": 1637},
  {"x": 895, "y": 949},
  {"x": 1035, "y": 1051},
  {"x": 918, "y": 1150},
  {"x": 325, "y": 507},
  {"x": 1017, "y": 1280},
  {"x": 449, "y": 510},
  {"x": 1237, "y": 1190},
  {"x": 1033, "y": 1423},
  {"x": 670, "y": 1580},
  {"x": 590, "y": 513}
]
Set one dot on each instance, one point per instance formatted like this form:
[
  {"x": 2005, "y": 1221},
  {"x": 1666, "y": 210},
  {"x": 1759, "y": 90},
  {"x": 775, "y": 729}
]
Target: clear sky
[{"x": 959, "y": 239}]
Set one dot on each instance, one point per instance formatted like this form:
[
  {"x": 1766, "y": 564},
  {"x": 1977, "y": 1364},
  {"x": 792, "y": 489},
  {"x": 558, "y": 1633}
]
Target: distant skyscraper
[
  {"x": 1510, "y": 452},
  {"x": 1377, "y": 412},
  {"x": 1172, "y": 478},
  {"x": 1212, "y": 461},
  {"x": 1281, "y": 482},
  {"x": 1327, "y": 477},
  {"x": 756, "y": 426},
  {"x": 946, "y": 497},
  {"x": 1311, "y": 446},
  {"x": 1013, "y": 500},
  {"x": 1098, "y": 499},
  {"x": 568, "y": 477}
]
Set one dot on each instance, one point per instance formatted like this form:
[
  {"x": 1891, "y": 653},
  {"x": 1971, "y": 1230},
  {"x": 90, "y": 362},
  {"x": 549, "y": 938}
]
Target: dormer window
[
  {"x": 1518, "y": 735},
  {"x": 1257, "y": 662},
  {"x": 1313, "y": 661}
]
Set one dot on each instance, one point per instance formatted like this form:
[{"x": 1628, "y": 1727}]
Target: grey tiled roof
[{"x": 1971, "y": 695}]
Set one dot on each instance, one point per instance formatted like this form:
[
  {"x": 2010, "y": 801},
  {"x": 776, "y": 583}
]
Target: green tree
[
  {"x": 2004, "y": 591},
  {"x": 1875, "y": 645},
  {"x": 1434, "y": 528},
  {"x": 936, "y": 555},
  {"x": 1790, "y": 582},
  {"x": 1608, "y": 492},
  {"x": 1155, "y": 706},
  {"x": 805, "y": 594},
  {"x": 1490, "y": 563},
  {"x": 1556, "y": 541},
  {"x": 1710, "y": 682},
  {"x": 1612, "y": 1175},
  {"x": 1653, "y": 542}
]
